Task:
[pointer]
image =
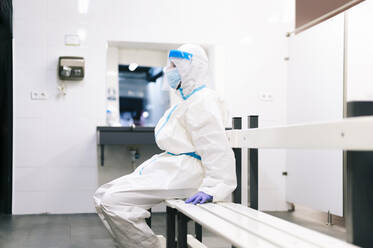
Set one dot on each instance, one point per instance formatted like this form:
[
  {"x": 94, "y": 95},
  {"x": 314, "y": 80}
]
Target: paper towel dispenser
[{"x": 71, "y": 68}]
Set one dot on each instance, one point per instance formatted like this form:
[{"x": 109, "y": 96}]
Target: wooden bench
[{"x": 239, "y": 225}]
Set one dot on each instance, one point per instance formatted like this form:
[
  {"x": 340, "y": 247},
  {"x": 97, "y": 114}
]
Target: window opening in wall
[{"x": 142, "y": 101}]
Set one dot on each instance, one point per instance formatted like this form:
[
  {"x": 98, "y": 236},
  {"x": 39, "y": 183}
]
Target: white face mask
[{"x": 173, "y": 77}]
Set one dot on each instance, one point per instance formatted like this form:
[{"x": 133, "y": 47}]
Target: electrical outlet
[
  {"x": 266, "y": 96},
  {"x": 39, "y": 95}
]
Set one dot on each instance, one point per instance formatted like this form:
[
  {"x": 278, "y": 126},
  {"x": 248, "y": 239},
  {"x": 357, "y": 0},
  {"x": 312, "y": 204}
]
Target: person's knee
[
  {"x": 97, "y": 197},
  {"x": 110, "y": 199}
]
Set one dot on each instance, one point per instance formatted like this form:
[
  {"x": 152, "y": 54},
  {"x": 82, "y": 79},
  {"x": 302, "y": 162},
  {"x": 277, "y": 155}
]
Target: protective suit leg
[
  {"x": 123, "y": 210},
  {"x": 98, "y": 199}
]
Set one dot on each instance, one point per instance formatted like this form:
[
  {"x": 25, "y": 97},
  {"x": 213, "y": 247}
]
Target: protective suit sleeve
[{"x": 204, "y": 123}]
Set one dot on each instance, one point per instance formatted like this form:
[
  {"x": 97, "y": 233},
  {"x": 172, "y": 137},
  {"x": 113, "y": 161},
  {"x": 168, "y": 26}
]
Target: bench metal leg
[
  {"x": 359, "y": 185},
  {"x": 182, "y": 230},
  {"x": 170, "y": 228},
  {"x": 253, "y": 153},
  {"x": 149, "y": 220},
  {"x": 198, "y": 231},
  {"x": 237, "y": 124},
  {"x": 359, "y": 213}
]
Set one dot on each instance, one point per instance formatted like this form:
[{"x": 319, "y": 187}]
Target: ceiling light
[{"x": 246, "y": 40}]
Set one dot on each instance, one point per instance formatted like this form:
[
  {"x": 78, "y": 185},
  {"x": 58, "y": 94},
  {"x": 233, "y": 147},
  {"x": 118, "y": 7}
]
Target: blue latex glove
[{"x": 199, "y": 198}]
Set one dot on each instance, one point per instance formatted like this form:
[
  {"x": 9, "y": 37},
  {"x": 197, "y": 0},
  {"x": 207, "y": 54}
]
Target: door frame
[{"x": 6, "y": 107}]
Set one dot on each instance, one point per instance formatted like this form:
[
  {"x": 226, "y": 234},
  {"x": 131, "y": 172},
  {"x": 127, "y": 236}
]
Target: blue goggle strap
[{"x": 180, "y": 55}]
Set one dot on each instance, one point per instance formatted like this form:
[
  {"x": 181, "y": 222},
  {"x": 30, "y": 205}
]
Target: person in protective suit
[{"x": 197, "y": 163}]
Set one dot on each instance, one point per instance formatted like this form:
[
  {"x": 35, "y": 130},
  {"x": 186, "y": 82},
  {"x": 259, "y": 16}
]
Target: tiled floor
[{"x": 86, "y": 231}]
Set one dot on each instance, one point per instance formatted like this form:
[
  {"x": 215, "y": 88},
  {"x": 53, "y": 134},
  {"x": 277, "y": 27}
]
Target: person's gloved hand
[{"x": 199, "y": 198}]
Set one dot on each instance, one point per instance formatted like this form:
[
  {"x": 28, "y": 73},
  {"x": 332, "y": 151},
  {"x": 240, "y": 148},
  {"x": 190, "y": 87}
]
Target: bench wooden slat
[
  {"x": 246, "y": 227},
  {"x": 194, "y": 243},
  {"x": 298, "y": 231},
  {"x": 280, "y": 238},
  {"x": 228, "y": 231}
]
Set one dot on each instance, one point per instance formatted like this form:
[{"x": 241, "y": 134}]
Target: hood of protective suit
[{"x": 193, "y": 72}]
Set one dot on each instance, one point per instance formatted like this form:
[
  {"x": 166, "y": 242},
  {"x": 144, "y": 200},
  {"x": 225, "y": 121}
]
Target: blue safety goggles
[{"x": 180, "y": 55}]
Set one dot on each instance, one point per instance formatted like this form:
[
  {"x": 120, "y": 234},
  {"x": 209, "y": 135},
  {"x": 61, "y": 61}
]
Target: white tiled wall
[{"x": 55, "y": 156}]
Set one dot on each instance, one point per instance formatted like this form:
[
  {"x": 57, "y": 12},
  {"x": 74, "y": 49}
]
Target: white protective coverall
[{"x": 197, "y": 157}]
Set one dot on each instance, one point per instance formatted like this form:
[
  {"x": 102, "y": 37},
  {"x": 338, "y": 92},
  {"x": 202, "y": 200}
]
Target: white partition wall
[
  {"x": 360, "y": 53},
  {"x": 315, "y": 93}
]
